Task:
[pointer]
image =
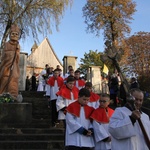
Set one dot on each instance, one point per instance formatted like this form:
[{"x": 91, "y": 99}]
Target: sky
[{"x": 72, "y": 38}]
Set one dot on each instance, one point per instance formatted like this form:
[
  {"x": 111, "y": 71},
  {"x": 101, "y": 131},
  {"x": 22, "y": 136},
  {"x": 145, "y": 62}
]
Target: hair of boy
[
  {"x": 46, "y": 65},
  {"x": 105, "y": 95},
  {"x": 70, "y": 76},
  {"x": 71, "y": 70},
  {"x": 56, "y": 70},
  {"x": 48, "y": 70},
  {"x": 70, "y": 79},
  {"x": 77, "y": 71},
  {"x": 88, "y": 84},
  {"x": 69, "y": 66},
  {"x": 84, "y": 92}
]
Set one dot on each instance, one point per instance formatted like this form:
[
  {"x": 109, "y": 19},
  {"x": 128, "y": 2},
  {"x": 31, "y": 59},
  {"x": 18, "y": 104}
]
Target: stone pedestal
[
  {"x": 69, "y": 61},
  {"x": 22, "y": 66},
  {"x": 94, "y": 76},
  {"x": 15, "y": 113}
]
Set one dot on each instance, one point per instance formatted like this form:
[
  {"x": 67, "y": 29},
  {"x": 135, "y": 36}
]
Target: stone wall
[
  {"x": 22, "y": 66},
  {"x": 16, "y": 113},
  {"x": 69, "y": 61},
  {"x": 94, "y": 76}
]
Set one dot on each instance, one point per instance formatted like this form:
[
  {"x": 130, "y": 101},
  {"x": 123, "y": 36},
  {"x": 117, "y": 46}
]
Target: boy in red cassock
[
  {"x": 94, "y": 98},
  {"x": 79, "y": 83},
  {"x": 66, "y": 95},
  {"x": 101, "y": 118},
  {"x": 79, "y": 133},
  {"x": 55, "y": 82}
]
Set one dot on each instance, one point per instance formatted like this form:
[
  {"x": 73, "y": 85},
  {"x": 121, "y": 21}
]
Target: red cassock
[
  {"x": 94, "y": 97},
  {"x": 80, "y": 82},
  {"x": 52, "y": 79},
  {"x": 74, "y": 109},
  {"x": 102, "y": 115},
  {"x": 65, "y": 92}
]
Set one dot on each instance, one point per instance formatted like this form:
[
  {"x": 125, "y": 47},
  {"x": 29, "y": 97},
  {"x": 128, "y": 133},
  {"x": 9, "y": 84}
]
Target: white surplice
[
  {"x": 127, "y": 136},
  {"x": 53, "y": 90},
  {"x": 74, "y": 138},
  {"x": 61, "y": 103},
  {"x": 41, "y": 83},
  {"x": 48, "y": 86},
  {"x": 95, "y": 104},
  {"x": 77, "y": 85},
  {"x": 100, "y": 133}
]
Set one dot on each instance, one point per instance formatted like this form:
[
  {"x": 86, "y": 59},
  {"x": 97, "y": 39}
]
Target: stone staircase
[{"x": 39, "y": 134}]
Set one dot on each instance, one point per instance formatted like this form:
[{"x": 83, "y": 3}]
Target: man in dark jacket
[{"x": 134, "y": 83}]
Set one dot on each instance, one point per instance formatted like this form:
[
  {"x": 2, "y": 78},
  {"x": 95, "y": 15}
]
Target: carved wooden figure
[{"x": 9, "y": 67}]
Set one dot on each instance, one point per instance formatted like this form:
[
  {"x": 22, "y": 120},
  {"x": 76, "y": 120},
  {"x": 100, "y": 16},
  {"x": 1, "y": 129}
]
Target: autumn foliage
[
  {"x": 113, "y": 17},
  {"x": 137, "y": 53},
  {"x": 136, "y": 57}
]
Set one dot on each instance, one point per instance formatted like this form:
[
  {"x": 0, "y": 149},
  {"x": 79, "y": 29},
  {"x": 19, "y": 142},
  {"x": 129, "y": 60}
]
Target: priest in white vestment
[{"x": 124, "y": 127}]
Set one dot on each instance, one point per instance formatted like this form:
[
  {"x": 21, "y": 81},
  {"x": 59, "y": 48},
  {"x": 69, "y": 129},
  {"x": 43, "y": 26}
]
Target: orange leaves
[{"x": 137, "y": 52}]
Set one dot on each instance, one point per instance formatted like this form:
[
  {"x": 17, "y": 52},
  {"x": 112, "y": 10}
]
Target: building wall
[
  {"x": 35, "y": 62},
  {"x": 69, "y": 61},
  {"x": 94, "y": 76},
  {"x": 22, "y": 66},
  {"x": 43, "y": 54}
]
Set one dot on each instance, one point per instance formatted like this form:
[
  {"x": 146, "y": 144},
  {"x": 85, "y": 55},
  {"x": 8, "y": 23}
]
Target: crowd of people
[
  {"x": 117, "y": 90},
  {"x": 89, "y": 122}
]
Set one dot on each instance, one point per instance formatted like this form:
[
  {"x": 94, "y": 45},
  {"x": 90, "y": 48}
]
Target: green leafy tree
[
  {"x": 90, "y": 59},
  {"x": 33, "y": 16}
]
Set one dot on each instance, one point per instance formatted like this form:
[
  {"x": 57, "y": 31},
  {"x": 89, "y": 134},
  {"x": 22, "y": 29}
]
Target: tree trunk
[{"x": 5, "y": 36}]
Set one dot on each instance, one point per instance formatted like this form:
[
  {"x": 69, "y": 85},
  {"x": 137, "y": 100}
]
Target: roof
[
  {"x": 53, "y": 51},
  {"x": 46, "y": 39}
]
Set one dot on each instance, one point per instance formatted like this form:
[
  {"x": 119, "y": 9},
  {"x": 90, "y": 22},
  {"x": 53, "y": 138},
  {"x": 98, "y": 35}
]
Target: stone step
[
  {"x": 36, "y": 149},
  {"x": 31, "y": 137},
  {"x": 39, "y": 108},
  {"x": 41, "y": 116},
  {"x": 36, "y": 100},
  {"x": 35, "y": 123},
  {"x": 38, "y": 94},
  {"x": 38, "y": 103},
  {"x": 32, "y": 130},
  {"x": 38, "y": 133},
  {"x": 22, "y": 145}
]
